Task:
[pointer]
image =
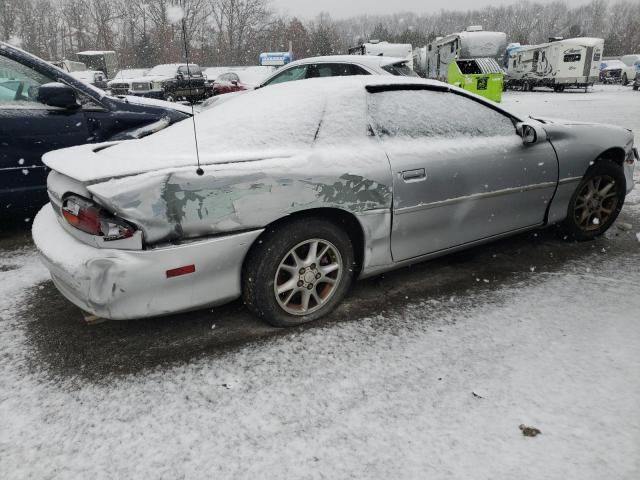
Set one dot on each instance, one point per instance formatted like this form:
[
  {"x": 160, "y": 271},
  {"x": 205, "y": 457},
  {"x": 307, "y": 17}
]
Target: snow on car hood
[
  {"x": 560, "y": 121},
  {"x": 149, "y": 78},
  {"x": 154, "y": 102}
]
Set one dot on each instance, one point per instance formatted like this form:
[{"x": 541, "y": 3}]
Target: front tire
[
  {"x": 298, "y": 272},
  {"x": 596, "y": 203},
  {"x": 625, "y": 80}
]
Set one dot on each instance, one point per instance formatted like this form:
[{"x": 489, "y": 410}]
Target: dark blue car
[{"x": 43, "y": 108}]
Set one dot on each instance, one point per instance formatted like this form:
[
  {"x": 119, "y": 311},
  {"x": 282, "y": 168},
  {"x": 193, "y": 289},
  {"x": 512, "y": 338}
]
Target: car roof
[
  {"x": 367, "y": 60},
  {"x": 174, "y": 65}
]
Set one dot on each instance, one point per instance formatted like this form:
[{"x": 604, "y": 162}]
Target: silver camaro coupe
[{"x": 306, "y": 186}]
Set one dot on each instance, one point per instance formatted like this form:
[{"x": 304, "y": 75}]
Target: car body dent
[
  {"x": 116, "y": 284},
  {"x": 173, "y": 205}
]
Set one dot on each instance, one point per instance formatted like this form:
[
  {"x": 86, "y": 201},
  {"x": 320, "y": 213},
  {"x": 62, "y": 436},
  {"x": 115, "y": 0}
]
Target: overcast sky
[{"x": 347, "y": 8}]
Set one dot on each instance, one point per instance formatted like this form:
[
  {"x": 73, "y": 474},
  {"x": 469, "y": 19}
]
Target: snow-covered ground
[{"x": 432, "y": 388}]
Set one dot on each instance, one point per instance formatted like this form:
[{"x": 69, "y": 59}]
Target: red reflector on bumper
[{"x": 176, "y": 272}]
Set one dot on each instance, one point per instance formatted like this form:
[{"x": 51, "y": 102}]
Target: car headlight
[{"x": 156, "y": 85}]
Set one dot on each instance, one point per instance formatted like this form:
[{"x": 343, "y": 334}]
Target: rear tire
[
  {"x": 298, "y": 272},
  {"x": 596, "y": 203}
]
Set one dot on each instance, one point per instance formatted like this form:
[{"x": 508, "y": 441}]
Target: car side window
[
  {"x": 357, "y": 70},
  {"x": 334, "y": 70},
  {"x": 289, "y": 75},
  {"x": 19, "y": 84},
  {"x": 433, "y": 114}
]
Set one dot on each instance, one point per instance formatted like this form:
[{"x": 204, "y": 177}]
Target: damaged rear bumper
[{"x": 126, "y": 284}]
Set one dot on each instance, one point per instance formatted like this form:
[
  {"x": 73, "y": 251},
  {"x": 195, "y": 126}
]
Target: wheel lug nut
[
  {"x": 318, "y": 276},
  {"x": 310, "y": 286},
  {"x": 300, "y": 283},
  {"x": 302, "y": 270},
  {"x": 313, "y": 265}
]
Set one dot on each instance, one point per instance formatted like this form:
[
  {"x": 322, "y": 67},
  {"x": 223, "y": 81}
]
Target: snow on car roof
[
  {"x": 612, "y": 64},
  {"x": 95, "y": 52},
  {"x": 278, "y": 121},
  {"x": 373, "y": 60}
]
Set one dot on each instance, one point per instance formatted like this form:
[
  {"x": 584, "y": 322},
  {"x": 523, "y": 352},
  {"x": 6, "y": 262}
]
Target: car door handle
[{"x": 416, "y": 175}]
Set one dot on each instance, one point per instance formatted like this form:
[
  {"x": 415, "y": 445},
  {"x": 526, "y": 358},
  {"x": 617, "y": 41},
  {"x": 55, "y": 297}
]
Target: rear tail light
[{"x": 90, "y": 218}]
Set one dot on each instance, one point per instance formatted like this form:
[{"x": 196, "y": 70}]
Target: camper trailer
[
  {"x": 432, "y": 61},
  {"x": 385, "y": 49},
  {"x": 572, "y": 62}
]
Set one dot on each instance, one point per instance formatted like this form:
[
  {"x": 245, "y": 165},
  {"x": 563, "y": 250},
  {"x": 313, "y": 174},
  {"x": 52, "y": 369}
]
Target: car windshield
[
  {"x": 400, "y": 69},
  {"x": 168, "y": 70}
]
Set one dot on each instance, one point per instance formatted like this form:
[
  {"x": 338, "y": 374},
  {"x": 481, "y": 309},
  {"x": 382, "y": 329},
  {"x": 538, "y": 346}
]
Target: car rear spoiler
[{"x": 392, "y": 87}]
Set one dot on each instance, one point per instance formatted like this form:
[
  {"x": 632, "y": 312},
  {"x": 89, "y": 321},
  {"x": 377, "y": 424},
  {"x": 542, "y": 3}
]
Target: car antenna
[{"x": 199, "y": 170}]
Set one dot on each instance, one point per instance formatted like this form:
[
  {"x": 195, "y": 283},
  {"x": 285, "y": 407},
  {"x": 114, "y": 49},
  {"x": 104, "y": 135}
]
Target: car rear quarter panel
[{"x": 178, "y": 204}]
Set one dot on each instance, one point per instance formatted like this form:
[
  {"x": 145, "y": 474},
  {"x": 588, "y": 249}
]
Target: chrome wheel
[
  {"x": 596, "y": 203},
  {"x": 308, "y": 276}
]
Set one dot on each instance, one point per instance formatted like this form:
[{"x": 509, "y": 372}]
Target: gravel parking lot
[{"x": 424, "y": 372}]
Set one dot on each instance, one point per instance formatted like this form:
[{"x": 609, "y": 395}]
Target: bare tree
[{"x": 236, "y": 23}]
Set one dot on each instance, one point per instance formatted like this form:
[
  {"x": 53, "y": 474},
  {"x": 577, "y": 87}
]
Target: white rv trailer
[
  {"x": 385, "y": 49},
  {"x": 572, "y": 62},
  {"x": 432, "y": 61}
]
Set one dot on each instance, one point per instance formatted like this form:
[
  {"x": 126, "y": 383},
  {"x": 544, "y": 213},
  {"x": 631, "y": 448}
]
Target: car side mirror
[
  {"x": 234, "y": 82},
  {"x": 179, "y": 76},
  {"x": 59, "y": 95},
  {"x": 528, "y": 133}
]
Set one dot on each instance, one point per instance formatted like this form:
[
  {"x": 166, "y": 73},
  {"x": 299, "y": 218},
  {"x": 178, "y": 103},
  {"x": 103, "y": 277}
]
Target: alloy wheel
[
  {"x": 596, "y": 203},
  {"x": 308, "y": 276}
]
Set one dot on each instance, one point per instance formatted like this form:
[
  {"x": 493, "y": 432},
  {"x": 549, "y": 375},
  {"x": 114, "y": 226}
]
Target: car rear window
[
  {"x": 432, "y": 114},
  {"x": 400, "y": 69}
]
